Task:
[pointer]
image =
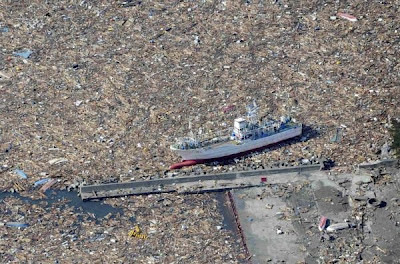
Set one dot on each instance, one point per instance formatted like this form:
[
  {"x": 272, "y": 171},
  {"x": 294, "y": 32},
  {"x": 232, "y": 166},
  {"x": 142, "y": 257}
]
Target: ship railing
[
  {"x": 263, "y": 132},
  {"x": 186, "y": 143},
  {"x": 217, "y": 136},
  {"x": 215, "y": 140},
  {"x": 203, "y": 140}
]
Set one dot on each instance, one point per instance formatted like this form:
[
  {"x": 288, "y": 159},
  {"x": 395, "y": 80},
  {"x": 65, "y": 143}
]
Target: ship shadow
[{"x": 307, "y": 134}]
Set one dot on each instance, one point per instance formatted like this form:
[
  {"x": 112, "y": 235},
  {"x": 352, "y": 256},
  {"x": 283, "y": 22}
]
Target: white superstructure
[{"x": 247, "y": 134}]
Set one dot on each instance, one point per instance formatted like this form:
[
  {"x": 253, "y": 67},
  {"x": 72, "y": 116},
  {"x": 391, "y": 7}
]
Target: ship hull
[{"x": 230, "y": 148}]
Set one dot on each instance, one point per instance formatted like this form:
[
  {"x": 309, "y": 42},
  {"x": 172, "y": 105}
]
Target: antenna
[
  {"x": 287, "y": 103},
  {"x": 252, "y": 112},
  {"x": 191, "y": 134}
]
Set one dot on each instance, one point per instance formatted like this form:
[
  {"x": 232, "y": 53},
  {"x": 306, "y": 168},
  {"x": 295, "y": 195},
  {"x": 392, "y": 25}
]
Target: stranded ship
[{"x": 248, "y": 134}]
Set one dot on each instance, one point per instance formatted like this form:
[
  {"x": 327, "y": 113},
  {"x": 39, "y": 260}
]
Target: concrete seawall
[
  {"x": 172, "y": 184},
  {"x": 379, "y": 163}
]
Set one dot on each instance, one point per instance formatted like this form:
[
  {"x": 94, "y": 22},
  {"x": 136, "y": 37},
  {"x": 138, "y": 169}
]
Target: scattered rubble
[
  {"x": 42, "y": 232},
  {"x": 137, "y": 87},
  {"x": 95, "y": 91},
  {"x": 359, "y": 216}
]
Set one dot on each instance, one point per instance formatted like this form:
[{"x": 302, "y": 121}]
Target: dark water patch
[{"x": 97, "y": 208}]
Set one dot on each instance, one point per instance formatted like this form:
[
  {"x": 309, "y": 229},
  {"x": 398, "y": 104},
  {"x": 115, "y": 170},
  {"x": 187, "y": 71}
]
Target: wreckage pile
[
  {"x": 172, "y": 228},
  {"x": 108, "y": 86},
  {"x": 96, "y": 91}
]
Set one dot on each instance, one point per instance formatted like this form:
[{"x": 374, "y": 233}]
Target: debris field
[{"x": 96, "y": 91}]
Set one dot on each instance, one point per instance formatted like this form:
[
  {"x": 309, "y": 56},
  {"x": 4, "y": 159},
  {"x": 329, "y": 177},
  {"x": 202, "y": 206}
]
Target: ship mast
[
  {"x": 252, "y": 113},
  {"x": 191, "y": 134}
]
